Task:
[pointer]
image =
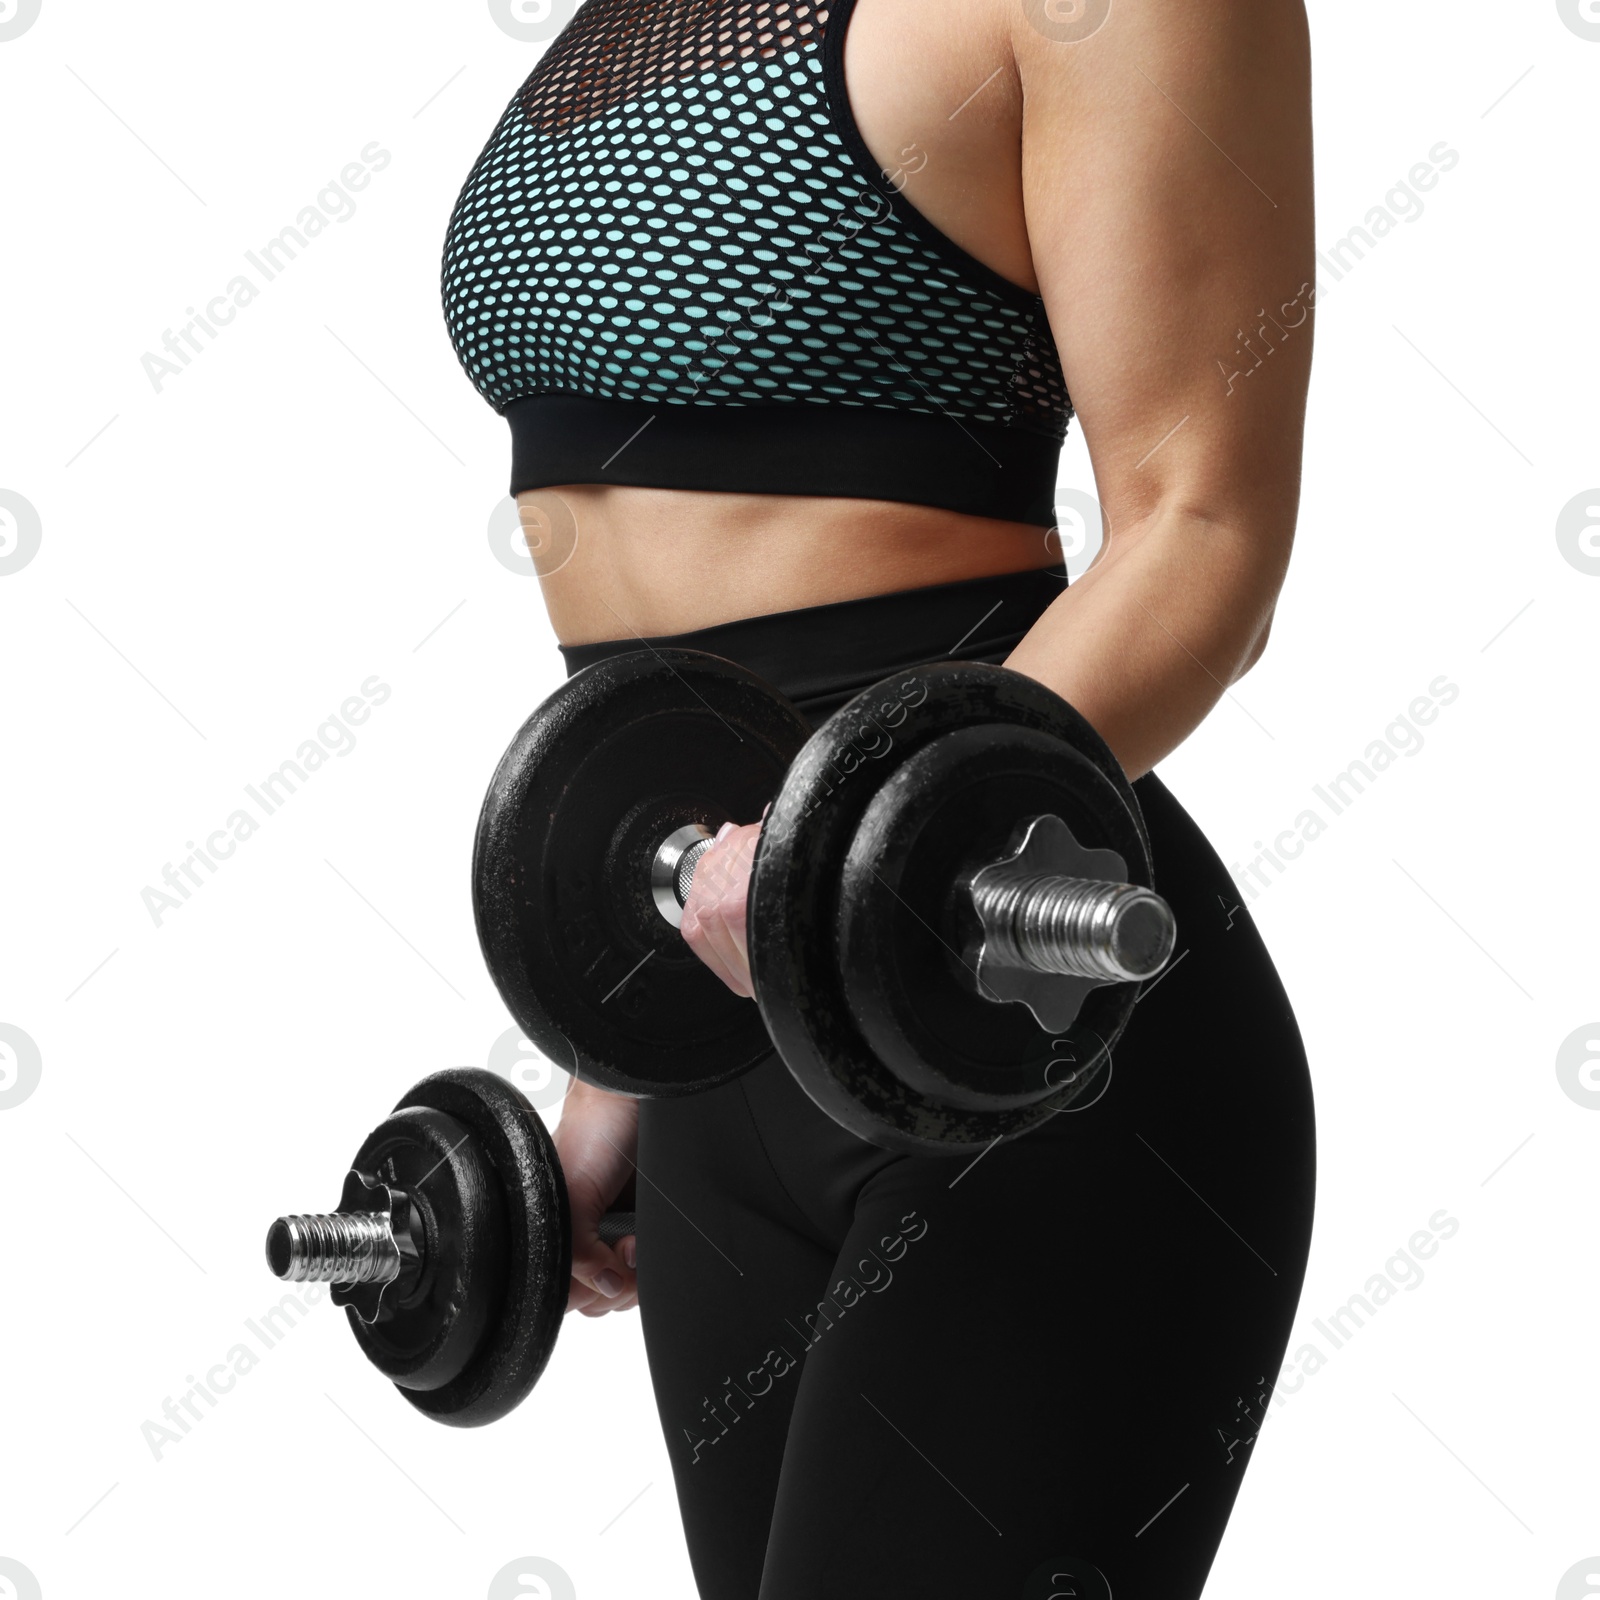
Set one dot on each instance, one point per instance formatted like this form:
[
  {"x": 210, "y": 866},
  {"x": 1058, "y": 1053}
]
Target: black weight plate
[
  {"x": 908, "y": 932},
  {"x": 538, "y": 1254},
  {"x": 621, "y": 755},
  {"x": 434, "y": 1321},
  {"x": 800, "y": 980}
]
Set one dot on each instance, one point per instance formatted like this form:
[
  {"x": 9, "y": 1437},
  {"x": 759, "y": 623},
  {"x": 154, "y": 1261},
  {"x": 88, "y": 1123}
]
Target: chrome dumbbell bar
[{"x": 1033, "y": 920}]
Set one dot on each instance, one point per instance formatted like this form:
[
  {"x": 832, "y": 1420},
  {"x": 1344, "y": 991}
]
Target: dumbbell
[
  {"x": 451, "y": 1247},
  {"x": 950, "y": 910}
]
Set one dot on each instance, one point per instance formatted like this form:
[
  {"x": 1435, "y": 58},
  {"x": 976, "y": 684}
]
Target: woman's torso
[{"x": 934, "y": 95}]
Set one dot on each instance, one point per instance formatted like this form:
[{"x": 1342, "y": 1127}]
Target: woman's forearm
[
  {"x": 1172, "y": 612},
  {"x": 596, "y": 1139}
]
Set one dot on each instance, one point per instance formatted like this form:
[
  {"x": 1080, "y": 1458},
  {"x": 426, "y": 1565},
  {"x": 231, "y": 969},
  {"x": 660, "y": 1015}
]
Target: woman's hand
[
  {"x": 596, "y": 1140},
  {"x": 714, "y": 918}
]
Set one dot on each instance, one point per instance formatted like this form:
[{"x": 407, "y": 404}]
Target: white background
[{"x": 225, "y": 561}]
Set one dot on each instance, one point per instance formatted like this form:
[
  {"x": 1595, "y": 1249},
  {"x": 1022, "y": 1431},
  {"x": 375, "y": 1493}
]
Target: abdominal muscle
[{"x": 618, "y": 562}]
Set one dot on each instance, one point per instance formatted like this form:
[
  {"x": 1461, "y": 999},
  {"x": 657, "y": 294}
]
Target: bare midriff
[{"x": 617, "y": 562}]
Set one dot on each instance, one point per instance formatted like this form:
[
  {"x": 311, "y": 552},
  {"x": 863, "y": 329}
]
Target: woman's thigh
[{"x": 727, "y": 1268}]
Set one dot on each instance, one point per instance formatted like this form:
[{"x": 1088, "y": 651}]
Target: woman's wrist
[{"x": 581, "y": 1096}]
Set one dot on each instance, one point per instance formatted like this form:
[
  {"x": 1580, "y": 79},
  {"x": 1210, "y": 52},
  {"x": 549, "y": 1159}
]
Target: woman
[{"x": 786, "y": 331}]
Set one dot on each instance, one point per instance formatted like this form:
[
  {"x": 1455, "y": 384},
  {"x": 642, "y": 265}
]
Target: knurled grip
[{"x": 615, "y": 1225}]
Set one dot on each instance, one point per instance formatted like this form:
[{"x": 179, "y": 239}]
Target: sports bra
[{"x": 677, "y": 264}]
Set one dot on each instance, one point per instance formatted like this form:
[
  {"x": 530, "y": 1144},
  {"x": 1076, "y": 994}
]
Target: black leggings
[{"x": 1035, "y": 1374}]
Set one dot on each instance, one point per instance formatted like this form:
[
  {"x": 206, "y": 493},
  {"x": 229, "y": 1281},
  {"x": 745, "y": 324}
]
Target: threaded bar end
[
  {"x": 1077, "y": 927},
  {"x": 334, "y": 1247}
]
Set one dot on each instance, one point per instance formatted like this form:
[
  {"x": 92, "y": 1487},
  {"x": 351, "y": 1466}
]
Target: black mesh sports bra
[{"x": 677, "y": 264}]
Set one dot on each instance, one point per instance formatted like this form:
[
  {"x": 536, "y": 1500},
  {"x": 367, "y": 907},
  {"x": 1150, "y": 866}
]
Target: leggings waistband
[{"x": 821, "y": 656}]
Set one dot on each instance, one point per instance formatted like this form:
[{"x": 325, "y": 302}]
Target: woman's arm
[{"x": 1167, "y": 185}]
